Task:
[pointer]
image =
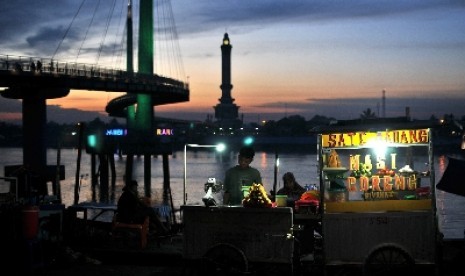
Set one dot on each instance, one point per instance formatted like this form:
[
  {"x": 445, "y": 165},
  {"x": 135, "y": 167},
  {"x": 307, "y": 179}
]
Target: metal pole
[
  {"x": 185, "y": 174},
  {"x": 275, "y": 183},
  {"x": 219, "y": 147}
]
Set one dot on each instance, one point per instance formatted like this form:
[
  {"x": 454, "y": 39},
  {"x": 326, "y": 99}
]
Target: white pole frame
[{"x": 219, "y": 147}]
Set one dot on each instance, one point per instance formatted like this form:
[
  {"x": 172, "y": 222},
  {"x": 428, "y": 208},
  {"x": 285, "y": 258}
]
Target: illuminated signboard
[
  {"x": 164, "y": 132},
  {"x": 367, "y": 139},
  {"x": 124, "y": 132},
  {"x": 387, "y": 179},
  {"x": 116, "y": 132}
]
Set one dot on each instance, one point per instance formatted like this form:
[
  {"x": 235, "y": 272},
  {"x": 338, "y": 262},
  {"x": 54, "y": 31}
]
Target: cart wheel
[
  {"x": 388, "y": 260},
  {"x": 225, "y": 259}
]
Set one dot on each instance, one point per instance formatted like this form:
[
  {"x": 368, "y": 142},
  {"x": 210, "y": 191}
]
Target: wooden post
[{"x": 78, "y": 162}]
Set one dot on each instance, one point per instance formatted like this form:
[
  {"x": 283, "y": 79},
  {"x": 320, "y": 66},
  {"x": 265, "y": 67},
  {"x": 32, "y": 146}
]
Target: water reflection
[{"x": 204, "y": 164}]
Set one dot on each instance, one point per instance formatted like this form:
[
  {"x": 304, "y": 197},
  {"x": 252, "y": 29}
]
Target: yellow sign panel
[
  {"x": 164, "y": 132},
  {"x": 364, "y": 138}
]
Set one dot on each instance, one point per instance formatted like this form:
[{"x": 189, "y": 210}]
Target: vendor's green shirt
[{"x": 236, "y": 177}]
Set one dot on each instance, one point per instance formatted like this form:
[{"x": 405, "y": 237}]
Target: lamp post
[
  {"x": 275, "y": 183},
  {"x": 219, "y": 148}
]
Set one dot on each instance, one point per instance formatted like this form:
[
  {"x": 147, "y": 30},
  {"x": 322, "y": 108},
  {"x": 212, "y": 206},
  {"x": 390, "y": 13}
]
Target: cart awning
[{"x": 453, "y": 179}]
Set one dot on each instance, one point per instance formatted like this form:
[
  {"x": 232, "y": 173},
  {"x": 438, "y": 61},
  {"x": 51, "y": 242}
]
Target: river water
[{"x": 204, "y": 163}]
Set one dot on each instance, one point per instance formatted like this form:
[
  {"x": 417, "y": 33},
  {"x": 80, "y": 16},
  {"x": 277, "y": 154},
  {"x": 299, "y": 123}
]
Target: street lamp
[{"x": 219, "y": 148}]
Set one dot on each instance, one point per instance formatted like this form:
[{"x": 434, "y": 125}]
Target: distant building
[{"x": 226, "y": 112}]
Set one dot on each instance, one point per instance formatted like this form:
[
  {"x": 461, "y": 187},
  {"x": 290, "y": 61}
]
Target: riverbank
[
  {"x": 93, "y": 251},
  {"x": 163, "y": 257},
  {"x": 151, "y": 262},
  {"x": 89, "y": 249}
]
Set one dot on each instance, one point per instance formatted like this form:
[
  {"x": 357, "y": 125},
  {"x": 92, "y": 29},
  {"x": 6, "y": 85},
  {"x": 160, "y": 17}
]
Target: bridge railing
[{"x": 35, "y": 65}]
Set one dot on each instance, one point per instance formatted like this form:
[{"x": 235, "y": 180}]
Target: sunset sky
[{"x": 313, "y": 57}]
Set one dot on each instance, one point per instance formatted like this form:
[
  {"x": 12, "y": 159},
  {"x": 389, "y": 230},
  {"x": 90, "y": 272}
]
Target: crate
[
  {"x": 8, "y": 190},
  {"x": 309, "y": 206}
]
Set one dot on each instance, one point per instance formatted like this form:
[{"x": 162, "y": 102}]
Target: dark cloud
[
  {"x": 73, "y": 115},
  {"x": 24, "y": 21},
  {"x": 21, "y": 17},
  {"x": 47, "y": 40},
  {"x": 48, "y": 25},
  {"x": 54, "y": 113},
  {"x": 420, "y": 108},
  {"x": 351, "y": 108},
  {"x": 10, "y": 105},
  {"x": 203, "y": 15}
]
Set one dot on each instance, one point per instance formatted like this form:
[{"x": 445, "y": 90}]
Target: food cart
[
  {"x": 378, "y": 199},
  {"x": 234, "y": 240}
]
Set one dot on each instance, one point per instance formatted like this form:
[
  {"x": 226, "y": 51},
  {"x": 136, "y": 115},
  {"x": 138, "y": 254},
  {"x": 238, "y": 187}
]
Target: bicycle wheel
[
  {"x": 224, "y": 259},
  {"x": 388, "y": 260}
]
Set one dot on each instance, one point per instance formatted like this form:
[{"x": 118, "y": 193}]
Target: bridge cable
[
  {"x": 172, "y": 51},
  {"x": 102, "y": 42},
  {"x": 87, "y": 31},
  {"x": 118, "y": 52},
  {"x": 120, "y": 55},
  {"x": 69, "y": 27},
  {"x": 177, "y": 48},
  {"x": 162, "y": 26}
]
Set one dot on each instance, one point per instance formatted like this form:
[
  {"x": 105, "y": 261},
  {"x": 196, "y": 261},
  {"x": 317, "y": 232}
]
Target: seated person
[
  {"x": 133, "y": 209},
  {"x": 291, "y": 188},
  {"x": 304, "y": 240}
]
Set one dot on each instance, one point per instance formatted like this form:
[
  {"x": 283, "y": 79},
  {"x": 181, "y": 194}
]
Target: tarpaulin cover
[{"x": 453, "y": 179}]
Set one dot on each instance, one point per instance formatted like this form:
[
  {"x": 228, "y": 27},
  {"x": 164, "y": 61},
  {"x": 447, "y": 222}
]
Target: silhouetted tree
[
  {"x": 319, "y": 120},
  {"x": 368, "y": 114},
  {"x": 270, "y": 128},
  {"x": 294, "y": 125}
]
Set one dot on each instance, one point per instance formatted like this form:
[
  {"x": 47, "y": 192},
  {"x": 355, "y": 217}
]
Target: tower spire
[
  {"x": 226, "y": 112},
  {"x": 226, "y": 85}
]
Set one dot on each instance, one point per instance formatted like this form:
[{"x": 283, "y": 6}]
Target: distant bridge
[{"x": 31, "y": 73}]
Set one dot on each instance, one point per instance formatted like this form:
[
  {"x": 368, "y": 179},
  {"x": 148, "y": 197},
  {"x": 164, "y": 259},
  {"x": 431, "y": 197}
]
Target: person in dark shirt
[
  {"x": 133, "y": 209},
  {"x": 291, "y": 188},
  {"x": 240, "y": 175},
  {"x": 39, "y": 66}
]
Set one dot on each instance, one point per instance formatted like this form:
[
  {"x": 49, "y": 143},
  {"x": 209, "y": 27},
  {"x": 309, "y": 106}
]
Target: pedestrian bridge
[{"x": 34, "y": 74}]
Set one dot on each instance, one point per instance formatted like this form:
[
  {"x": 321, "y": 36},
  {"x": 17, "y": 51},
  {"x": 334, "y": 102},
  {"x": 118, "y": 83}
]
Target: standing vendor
[{"x": 240, "y": 175}]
